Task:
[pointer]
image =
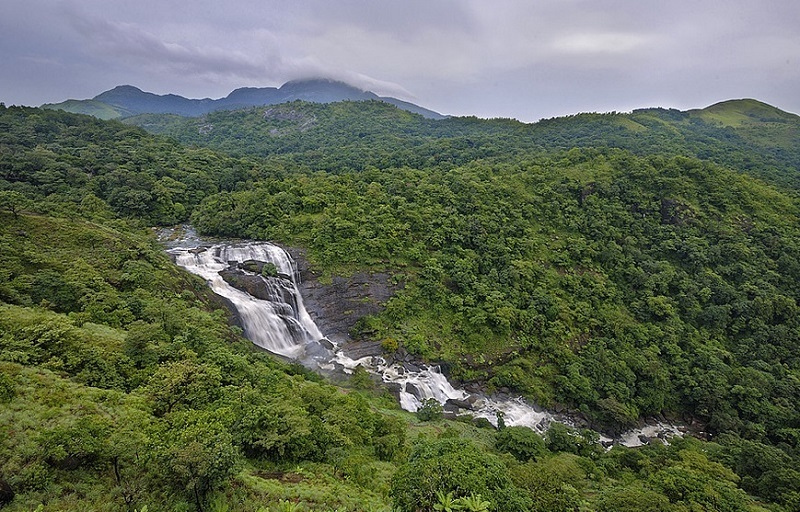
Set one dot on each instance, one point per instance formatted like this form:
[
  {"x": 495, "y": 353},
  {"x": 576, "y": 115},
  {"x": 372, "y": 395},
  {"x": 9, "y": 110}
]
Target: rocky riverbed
[{"x": 263, "y": 284}]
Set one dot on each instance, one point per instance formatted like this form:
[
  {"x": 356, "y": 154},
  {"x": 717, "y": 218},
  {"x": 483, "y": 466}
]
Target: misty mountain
[{"x": 127, "y": 100}]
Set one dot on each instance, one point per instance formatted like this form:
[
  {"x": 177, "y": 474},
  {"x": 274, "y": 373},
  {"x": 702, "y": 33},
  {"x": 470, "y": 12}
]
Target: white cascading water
[
  {"x": 283, "y": 326},
  {"x": 280, "y": 324}
]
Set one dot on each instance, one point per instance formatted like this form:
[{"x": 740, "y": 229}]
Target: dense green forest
[
  {"x": 618, "y": 281},
  {"x": 745, "y": 135}
]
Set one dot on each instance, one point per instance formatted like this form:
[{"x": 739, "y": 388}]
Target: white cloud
[{"x": 599, "y": 43}]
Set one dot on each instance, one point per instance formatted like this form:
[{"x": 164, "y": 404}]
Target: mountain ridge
[{"x": 127, "y": 100}]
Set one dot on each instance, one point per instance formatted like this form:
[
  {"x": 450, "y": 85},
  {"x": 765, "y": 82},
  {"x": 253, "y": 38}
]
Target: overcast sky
[{"x": 526, "y": 59}]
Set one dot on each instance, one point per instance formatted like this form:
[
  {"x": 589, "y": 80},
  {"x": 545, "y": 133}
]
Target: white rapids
[{"x": 283, "y": 326}]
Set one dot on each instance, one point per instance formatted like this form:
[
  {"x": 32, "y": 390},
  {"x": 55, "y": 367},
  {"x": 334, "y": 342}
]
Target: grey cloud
[
  {"x": 513, "y": 58},
  {"x": 130, "y": 42}
]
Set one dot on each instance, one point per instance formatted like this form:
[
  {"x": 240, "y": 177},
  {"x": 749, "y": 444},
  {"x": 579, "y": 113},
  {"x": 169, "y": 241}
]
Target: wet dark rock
[
  {"x": 252, "y": 266},
  {"x": 198, "y": 250},
  {"x": 450, "y": 407},
  {"x": 255, "y": 285},
  {"x": 414, "y": 390},
  {"x": 650, "y": 440},
  {"x": 473, "y": 387},
  {"x": 359, "y": 349},
  {"x": 233, "y": 314},
  {"x": 411, "y": 367},
  {"x": 337, "y": 307},
  {"x": 393, "y": 387},
  {"x": 325, "y": 342},
  {"x": 581, "y": 421},
  {"x": 462, "y": 404},
  {"x": 318, "y": 350}
]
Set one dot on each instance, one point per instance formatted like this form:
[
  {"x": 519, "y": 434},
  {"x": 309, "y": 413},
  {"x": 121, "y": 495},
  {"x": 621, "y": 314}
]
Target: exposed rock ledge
[{"x": 336, "y": 307}]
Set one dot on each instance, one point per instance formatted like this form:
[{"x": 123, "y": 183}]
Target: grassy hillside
[
  {"x": 737, "y": 113},
  {"x": 93, "y": 108}
]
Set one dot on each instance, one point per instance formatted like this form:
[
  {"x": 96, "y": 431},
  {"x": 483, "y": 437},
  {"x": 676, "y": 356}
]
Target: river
[{"x": 278, "y": 322}]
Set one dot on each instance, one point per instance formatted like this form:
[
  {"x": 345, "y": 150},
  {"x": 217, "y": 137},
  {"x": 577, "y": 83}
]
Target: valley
[{"x": 612, "y": 267}]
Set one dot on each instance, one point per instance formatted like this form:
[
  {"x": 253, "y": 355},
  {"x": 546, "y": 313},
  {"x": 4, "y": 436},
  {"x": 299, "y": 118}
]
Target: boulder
[
  {"x": 252, "y": 266},
  {"x": 451, "y": 408},
  {"x": 393, "y": 387},
  {"x": 415, "y": 390},
  {"x": 411, "y": 367},
  {"x": 462, "y": 404},
  {"x": 360, "y": 349}
]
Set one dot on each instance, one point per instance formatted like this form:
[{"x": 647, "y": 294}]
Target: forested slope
[
  {"x": 620, "y": 285},
  {"x": 623, "y": 286},
  {"x": 744, "y": 135}
]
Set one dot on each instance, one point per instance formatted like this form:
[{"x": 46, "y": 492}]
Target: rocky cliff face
[{"x": 336, "y": 307}]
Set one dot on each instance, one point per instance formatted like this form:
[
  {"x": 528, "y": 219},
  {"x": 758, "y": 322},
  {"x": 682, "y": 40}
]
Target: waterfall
[{"x": 280, "y": 324}]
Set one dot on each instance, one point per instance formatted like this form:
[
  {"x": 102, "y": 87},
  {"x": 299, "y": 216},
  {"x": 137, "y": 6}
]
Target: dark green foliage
[
  {"x": 91, "y": 167},
  {"x": 632, "y": 499},
  {"x": 181, "y": 385},
  {"x": 584, "y": 442},
  {"x": 7, "y": 388},
  {"x": 521, "y": 442},
  {"x": 352, "y": 136},
  {"x": 766, "y": 471},
  {"x": 269, "y": 270},
  {"x": 621, "y": 285},
  {"x": 430, "y": 410},
  {"x": 196, "y": 451},
  {"x": 552, "y": 484},
  {"x": 449, "y": 466}
]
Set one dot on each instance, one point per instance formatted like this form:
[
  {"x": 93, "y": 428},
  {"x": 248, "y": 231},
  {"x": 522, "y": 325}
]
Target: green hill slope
[
  {"x": 612, "y": 283},
  {"x": 93, "y": 108},
  {"x": 738, "y": 113},
  {"x": 763, "y": 141}
]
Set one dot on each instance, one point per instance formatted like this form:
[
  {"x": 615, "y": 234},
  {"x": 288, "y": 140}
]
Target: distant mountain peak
[
  {"x": 125, "y": 88},
  {"x": 128, "y": 100},
  {"x": 121, "y": 91},
  {"x": 316, "y": 80}
]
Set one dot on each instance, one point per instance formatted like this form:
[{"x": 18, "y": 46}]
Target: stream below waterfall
[{"x": 278, "y": 322}]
